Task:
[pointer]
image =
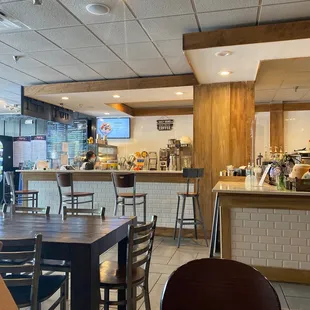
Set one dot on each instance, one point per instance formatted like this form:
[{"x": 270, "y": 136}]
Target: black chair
[
  {"x": 127, "y": 180},
  {"x": 133, "y": 275},
  {"x": 65, "y": 180},
  {"x": 217, "y": 284},
  {"x": 191, "y": 174},
  {"x": 26, "y": 285},
  {"x": 20, "y": 195}
]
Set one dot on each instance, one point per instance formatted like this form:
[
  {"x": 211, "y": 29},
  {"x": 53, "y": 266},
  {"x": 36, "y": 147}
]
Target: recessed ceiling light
[
  {"x": 106, "y": 113},
  {"x": 223, "y": 53},
  {"x": 116, "y": 96},
  {"x": 224, "y": 73},
  {"x": 65, "y": 98},
  {"x": 179, "y": 93},
  {"x": 97, "y": 9}
]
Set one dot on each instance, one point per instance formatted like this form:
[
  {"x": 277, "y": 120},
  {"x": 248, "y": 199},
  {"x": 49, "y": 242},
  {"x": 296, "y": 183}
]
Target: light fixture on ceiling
[
  {"x": 225, "y": 73},
  {"x": 223, "y": 53},
  {"x": 116, "y": 96},
  {"x": 179, "y": 93},
  {"x": 65, "y": 98},
  {"x": 17, "y": 57},
  {"x": 97, "y": 9},
  {"x": 37, "y": 2},
  {"x": 106, "y": 113}
]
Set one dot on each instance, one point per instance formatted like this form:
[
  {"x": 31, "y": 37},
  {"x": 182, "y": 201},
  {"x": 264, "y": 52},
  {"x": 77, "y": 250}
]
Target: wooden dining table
[{"x": 78, "y": 239}]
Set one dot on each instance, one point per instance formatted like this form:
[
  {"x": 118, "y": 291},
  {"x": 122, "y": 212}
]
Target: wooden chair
[
  {"x": 22, "y": 195},
  {"x": 26, "y": 285},
  {"x": 25, "y": 210},
  {"x": 217, "y": 284},
  {"x": 65, "y": 180},
  {"x": 127, "y": 180},
  {"x": 191, "y": 174},
  {"x": 131, "y": 276}
]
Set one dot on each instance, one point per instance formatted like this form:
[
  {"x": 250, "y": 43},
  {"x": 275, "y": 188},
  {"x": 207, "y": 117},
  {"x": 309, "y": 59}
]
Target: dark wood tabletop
[{"x": 79, "y": 239}]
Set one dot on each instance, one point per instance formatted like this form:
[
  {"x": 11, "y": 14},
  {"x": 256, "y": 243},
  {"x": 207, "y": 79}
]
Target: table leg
[
  {"x": 85, "y": 283},
  {"x": 122, "y": 254},
  {"x": 214, "y": 226}
]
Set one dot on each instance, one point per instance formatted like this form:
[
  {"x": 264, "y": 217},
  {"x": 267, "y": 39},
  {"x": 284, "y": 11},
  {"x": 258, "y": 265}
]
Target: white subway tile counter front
[{"x": 266, "y": 228}]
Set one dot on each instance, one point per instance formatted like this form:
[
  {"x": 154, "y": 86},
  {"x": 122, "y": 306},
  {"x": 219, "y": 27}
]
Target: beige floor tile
[
  {"x": 180, "y": 258},
  {"x": 296, "y": 290},
  {"x": 282, "y": 299},
  {"x": 155, "y": 297},
  {"x": 203, "y": 255},
  {"x": 167, "y": 251},
  {"x": 163, "y": 279},
  {"x": 296, "y": 303},
  {"x": 156, "y": 259},
  {"x": 158, "y": 268}
]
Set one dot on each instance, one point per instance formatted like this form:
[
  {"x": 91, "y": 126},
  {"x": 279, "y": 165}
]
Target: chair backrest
[
  {"x": 193, "y": 173},
  {"x": 124, "y": 180},
  {"x": 9, "y": 178},
  {"x": 24, "y": 210},
  {"x": 140, "y": 246},
  {"x": 78, "y": 211},
  {"x": 217, "y": 284},
  {"x": 64, "y": 179},
  {"x": 1, "y": 245},
  {"x": 27, "y": 252}
]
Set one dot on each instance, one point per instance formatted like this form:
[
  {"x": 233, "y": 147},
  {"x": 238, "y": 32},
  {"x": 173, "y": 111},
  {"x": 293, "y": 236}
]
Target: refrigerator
[{"x": 6, "y": 161}]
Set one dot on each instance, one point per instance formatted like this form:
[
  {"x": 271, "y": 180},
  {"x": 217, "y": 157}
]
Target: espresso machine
[
  {"x": 164, "y": 159},
  {"x": 180, "y": 155}
]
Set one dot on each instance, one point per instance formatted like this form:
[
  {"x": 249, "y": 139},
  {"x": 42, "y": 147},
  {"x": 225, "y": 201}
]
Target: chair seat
[
  {"x": 26, "y": 192},
  {"x": 130, "y": 195},
  {"x": 48, "y": 286},
  {"x": 78, "y": 194},
  {"x": 57, "y": 265},
  {"x": 190, "y": 194},
  {"x": 111, "y": 275}
]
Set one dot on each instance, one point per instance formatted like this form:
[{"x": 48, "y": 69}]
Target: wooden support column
[
  {"x": 223, "y": 114},
  {"x": 277, "y": 126}
]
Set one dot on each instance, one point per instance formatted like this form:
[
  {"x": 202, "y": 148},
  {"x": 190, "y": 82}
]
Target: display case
[{"x": 104, "y": 152}]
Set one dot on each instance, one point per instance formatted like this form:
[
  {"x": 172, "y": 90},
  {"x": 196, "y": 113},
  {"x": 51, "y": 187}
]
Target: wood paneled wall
[
  {"x": 277, "y": 127},
  {"x": 223, "y": 114}
]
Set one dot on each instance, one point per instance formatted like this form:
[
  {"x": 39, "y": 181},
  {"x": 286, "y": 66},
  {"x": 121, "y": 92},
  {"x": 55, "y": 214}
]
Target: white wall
[
  {"x": 262, "y": 132},
  {"x": 296, "y": 129},
  {"x": 146, "y": 137}
]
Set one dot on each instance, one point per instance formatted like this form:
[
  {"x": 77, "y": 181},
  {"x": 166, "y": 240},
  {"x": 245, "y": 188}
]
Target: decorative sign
[
  {"x": 262, "y": 180},
  {"x": 165, "y": 124}
]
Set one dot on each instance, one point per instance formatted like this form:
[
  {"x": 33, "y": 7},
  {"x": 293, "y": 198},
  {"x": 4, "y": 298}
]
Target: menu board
[
  {"x": 114, "y": 128},
  {"x": 77, "y": 138},
  {"x": 38, "y": 148},
  {"x": 56, "y": 135},
  {"x": 21, "y": 150}
]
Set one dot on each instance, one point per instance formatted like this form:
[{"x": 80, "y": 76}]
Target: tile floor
[{"x": 166, "y": 258}]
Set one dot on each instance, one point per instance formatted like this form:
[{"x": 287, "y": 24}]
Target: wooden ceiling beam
[
  {"x": 163, "y": 111},
  {"x": 287, "y": 106},
  {"x": 111, "y": 85},
  {"x": 247, "y": 35},
  {"x": 122, "y": 108}
]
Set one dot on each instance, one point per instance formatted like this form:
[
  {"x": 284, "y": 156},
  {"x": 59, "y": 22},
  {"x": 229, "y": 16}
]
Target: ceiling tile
[
  {"x": 48, "y": 15},
  {"x": 119, "y": 11},
  {"x": 16, "y": 76},
  {"x": 113, "y": 70},
  {"x": 55, "y": 58},
  {"x": 169, "y": 28},
  {"x": 227, "y": 19},
  {"x": 47, "y": 75},
  {"x": 296, "y": 79},
  {"x": 5, "y": 1},
  {"x": 265, "y": 95},
  {"x": 23, "y": 63},
  {"x": 269, "y": 80},
  {"x": 179, "y": 65},
  {"x": 285, "y": 12},
  {"x": 9, "y": 86},
  {"x": 289, "y": 94},
  {"x": 218, "y": 5},
  {"x": 306, "y": 97},
  {"x": 134, "y": 51},
  {"x": 150, "y": 67},
  {"x": 72, "y": 37},
  {"x": 170, "y": 48},
  {"x": 120, "y": 32},
  {"x": 301, "y": 64},
  {"x": 79, "y": 72},
  {"x": 5, "y": 49},
  {"x": 159, "y": 8},
  {"x": 266, "y": 2},
  {"x": 27, "y": 41},
  {"x": 91, "y": 55}
]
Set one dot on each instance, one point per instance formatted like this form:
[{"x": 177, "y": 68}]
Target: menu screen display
[{"x": 114, "y": 128}]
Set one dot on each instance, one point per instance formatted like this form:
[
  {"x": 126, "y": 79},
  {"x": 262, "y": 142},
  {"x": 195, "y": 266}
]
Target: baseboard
[{"x": 186, "y": 233}]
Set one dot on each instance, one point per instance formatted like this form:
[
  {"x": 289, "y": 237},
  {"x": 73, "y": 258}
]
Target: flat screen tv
[{"x": 114, "y": 128}]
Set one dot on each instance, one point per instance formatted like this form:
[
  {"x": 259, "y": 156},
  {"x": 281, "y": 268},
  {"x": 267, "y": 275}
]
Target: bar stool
[
  {"x": 65, "y": 180},
  {"x": 190, "y": 174},
  {"x": 127, "y": 180},
  {"x": 22, "y": 195}
]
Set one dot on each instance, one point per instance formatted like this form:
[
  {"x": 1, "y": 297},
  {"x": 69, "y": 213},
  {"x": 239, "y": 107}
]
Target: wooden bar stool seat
[
  {"x": 190, "y": 174},
  {"x": 130, "y": 195},
  {"x": 26, "y": 192},
  {"x": 65, "y": 180}
]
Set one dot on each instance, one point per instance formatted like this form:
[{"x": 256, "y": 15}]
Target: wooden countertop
[
  {"x": 228, "y": 187},
  {"x": 103, "y": 171}
]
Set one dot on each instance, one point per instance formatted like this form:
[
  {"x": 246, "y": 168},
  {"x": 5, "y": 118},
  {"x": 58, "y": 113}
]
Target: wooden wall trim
[
  {"x": 277, "y": 127},
  {"x": 122, "y": 108},
  {"x": 247, "y": 35},
  {"x": 110, "y": 85},
  {"x": 287, "y": 106},
  {"x": 162, "y": 111}
]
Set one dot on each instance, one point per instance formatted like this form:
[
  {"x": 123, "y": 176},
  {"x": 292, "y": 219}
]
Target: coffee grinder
[{"x": 163, "y": 159}]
